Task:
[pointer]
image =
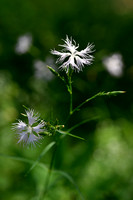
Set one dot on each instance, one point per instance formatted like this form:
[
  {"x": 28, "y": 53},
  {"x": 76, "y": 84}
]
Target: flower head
[
  {"x": 29, "y": 133},
  {"x": 23, "y": 44},
  {"x": 71, "y": 57},
  {"x": 114, "y": 64}
]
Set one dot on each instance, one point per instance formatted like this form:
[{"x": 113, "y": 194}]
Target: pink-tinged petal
[
  {"x": 32, "y": 139},
  {"x": 32, "y": 117},
  {"x": 19, "y": 126},
  {"x": 23, "y": 137},
  {"x": 39, "y": 127}
]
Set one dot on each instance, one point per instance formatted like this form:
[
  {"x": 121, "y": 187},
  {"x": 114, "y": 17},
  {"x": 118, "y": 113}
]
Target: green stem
[
  {"x": 112, "y": 93},
  {"x": 83, "y": 122},
  {"x": 49, "y": 174},
  {"x": 79, "y": 106},
  {"x": 70, "y": 85}
]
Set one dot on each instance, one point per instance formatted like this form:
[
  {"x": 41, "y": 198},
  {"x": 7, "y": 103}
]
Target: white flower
[
  {"x": 41, "y": 70},
  {"x": 71, "y": 57},
  {"x": 29, "y": 133},
  {"x": 114, "y": 64},
  {"x": 23, "y": 44}
]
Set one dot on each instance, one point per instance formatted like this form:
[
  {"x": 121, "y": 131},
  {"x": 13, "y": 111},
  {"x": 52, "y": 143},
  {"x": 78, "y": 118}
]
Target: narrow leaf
[
  {"x": 56, "y": 73},
  {"x": 82, "y": 122},
  {"x": 67, "y": 176},
  {"x": 113, "y": 93},
  {"x": 25, "y": 107},
  {"x": 67, "y": 133},
  {"x": 25, "y": 160},
  {"x": 70, "y": 179},
  {"x": 45, "y": 150}
]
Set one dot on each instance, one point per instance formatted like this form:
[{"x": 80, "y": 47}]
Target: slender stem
[
  {"x": 113, "y": 93},
  {"x": 78, "y": 107},
  {"x": 83, "y": 122},
  {"x": 70, "y": 85},
  {"x": 49, "y": 174}
]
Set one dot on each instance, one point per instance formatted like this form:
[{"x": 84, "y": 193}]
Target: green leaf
[
  {"x": 67, "y": 133},
  {"x": 113, "y": 93},
  {"x": 25, "y": 160},
  {"x": 82, "y": 122},
  {"x": 56, "y": 73},
  {"x": 64, "y": 174},
  {"x": 45, "y": 150},
  {"x": 70, "y": 179},
  {"x": 25, "y": 107}
]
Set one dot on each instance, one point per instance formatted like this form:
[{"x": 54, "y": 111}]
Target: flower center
[
  {"x": 72, "y": 50},
  {"x": 29, "y": 129}
]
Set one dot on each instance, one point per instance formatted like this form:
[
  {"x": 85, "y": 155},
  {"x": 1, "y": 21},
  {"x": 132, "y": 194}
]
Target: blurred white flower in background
[
  {"x": 29, "y": 133},
  {"x": 114, "y": 64},
  {"x": 24, "y": 43},
  {"x": 70, "y": 57},
  {"x": 41, "y": 70}
]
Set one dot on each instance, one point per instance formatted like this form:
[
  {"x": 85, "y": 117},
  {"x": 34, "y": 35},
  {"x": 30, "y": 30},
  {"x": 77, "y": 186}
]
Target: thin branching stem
[
  {"x": 81, "y": 123},
  {"x": 89, "y": 99},
  {"x": 69, "y": 87},
  {"x": 113, "y": 93}
]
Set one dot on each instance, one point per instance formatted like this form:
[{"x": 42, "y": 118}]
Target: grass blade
[
  {"x": 83, "y": 122},
  {"x": 70, "y": 179},
  {"x": 67, "y": 133},
  {"x": 64, "y": 174},
  {"x": 25, "y": 160},
  {"x": 45, "y": 150}
]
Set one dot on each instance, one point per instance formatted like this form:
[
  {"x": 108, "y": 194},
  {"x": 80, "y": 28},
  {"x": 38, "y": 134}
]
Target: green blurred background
[{"x": 102, "y": 167}]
